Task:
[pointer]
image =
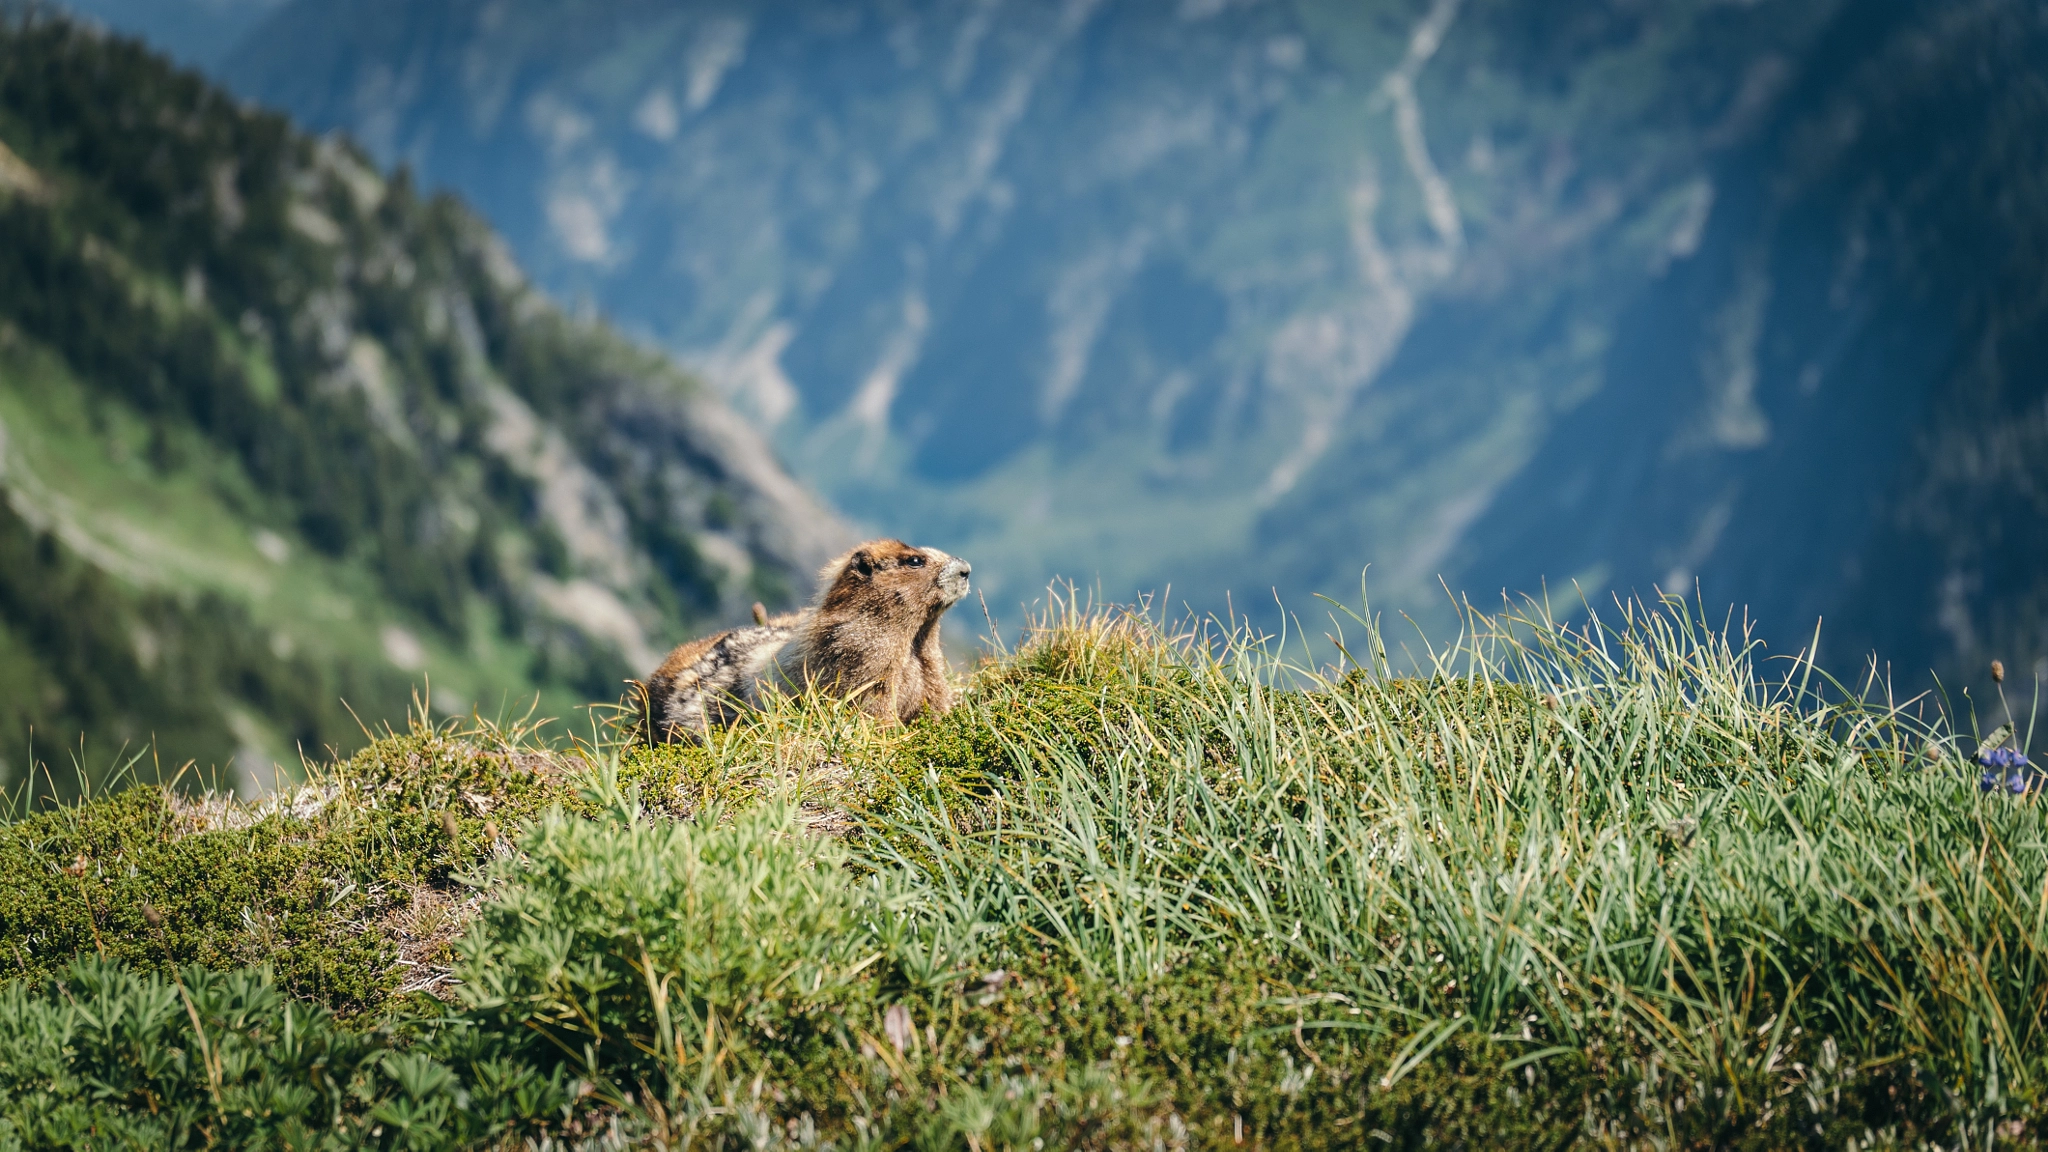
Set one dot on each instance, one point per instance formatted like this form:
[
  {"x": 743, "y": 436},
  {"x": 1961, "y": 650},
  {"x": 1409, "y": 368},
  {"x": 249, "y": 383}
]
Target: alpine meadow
[
  {"x": 1612, "y": 885},
  {"x": 334, "y": 554}
]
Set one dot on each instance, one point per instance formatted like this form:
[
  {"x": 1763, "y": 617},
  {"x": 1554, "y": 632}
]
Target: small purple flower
[{"x": 2006, "y": 770}]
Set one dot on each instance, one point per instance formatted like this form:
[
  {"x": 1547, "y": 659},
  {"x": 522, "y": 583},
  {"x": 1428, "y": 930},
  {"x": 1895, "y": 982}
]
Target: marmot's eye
[{"x": 913, "y": 562}]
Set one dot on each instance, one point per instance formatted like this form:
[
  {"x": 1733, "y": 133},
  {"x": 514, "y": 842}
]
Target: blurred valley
[
  {"x": 1601, "y": 297},
  {"x": 283, "y": 441}
]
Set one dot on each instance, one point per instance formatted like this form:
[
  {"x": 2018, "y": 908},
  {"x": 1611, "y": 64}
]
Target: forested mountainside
[
  {"x": 1597, "y": 296},
  {"x": 278, "y": 431}
]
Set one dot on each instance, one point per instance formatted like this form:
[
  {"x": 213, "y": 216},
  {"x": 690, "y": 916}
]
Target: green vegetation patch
[
  {"x": 1140, "y": 889},
  {"x": 344, "y": 886}
]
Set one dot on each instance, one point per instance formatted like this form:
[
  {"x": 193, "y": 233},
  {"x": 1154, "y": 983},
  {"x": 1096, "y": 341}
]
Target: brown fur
[{"x": 872, "y": 633}]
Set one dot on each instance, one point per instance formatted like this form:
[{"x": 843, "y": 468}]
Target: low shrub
[
  {"x": 674, "y": 955},
  {"x": 101, "y": 1056}
]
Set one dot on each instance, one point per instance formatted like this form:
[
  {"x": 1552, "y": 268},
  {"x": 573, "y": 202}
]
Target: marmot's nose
[{"x": 966, "y": 569}]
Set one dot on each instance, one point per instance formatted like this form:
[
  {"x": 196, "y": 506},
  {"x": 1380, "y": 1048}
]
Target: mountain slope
[
  {"x": 1224, "y": 295},
  {"x": 278, "y": 430},
  {"x": 1834, "y": 407}
]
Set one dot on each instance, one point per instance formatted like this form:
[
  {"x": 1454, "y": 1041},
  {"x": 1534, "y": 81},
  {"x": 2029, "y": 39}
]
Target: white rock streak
[
  {"x": 715, "y": 52},
  {"x": 967, "y": 45},
  {"x": 1728, "y": 362},
  {"x": 16, "y": 176},
  {"x": 581, "y": 207},
  {"x": 1400, "y": 88},
  {"x": 1422, "y": 558},
  {"x": 586, "y": 186},
  {"x": 1078, "y": 305},
  {"x": 402, "y": 648},
  {"x": 575, "y": 503},
  {"x": 570, "y": 497},
  {"x": 1323, "y": 359},
  {"x": 877, "y": 393},
  {"x": 751, "y": 374},
  {"x": 656, "y": 116},
  {"x": 597, "y": 611},
  {"x": 1700, "y": 547},
  {"x": 986, "y": 143},
  {"x": 366, "y": 370},
  {"x": 584, "y": 516}
]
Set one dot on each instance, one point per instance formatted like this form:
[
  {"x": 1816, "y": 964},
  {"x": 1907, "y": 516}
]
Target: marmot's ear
[{"x": 862, "y": 562}]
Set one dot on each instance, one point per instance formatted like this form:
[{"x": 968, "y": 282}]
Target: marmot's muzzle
[{"x": 953, "y": 579}]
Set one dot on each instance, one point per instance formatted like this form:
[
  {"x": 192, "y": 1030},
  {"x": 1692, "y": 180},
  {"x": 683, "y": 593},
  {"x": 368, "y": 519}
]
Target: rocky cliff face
[
  {"x": 278, "y": 429},
  {"x": 1858, "y": 429},
  {"x": 1228, "y": 295}
]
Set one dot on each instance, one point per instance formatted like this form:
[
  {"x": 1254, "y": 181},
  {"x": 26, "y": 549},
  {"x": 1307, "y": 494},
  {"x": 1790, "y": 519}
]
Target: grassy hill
[
  {"x": 1602, "y": 886},
  {"x": 279, "y": 431}
]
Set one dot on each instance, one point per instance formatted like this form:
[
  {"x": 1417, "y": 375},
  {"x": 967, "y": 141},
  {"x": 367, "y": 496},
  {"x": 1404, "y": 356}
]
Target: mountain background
[
  {"x": 1736, "y": 299},
  {"x": 284, "y": 441},
  {"x": 1741, "y": 300}
]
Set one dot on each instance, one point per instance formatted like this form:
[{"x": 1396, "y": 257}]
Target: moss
[
  {"x": 321, "y": 886},
  {"x": 678, "y": 778}
]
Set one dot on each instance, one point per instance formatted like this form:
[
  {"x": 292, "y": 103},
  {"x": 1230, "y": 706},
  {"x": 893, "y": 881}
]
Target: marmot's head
[{"x": 892, "y": 579}]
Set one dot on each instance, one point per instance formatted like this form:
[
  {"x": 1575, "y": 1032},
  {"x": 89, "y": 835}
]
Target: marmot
[{"x": 873, "y": 631}]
